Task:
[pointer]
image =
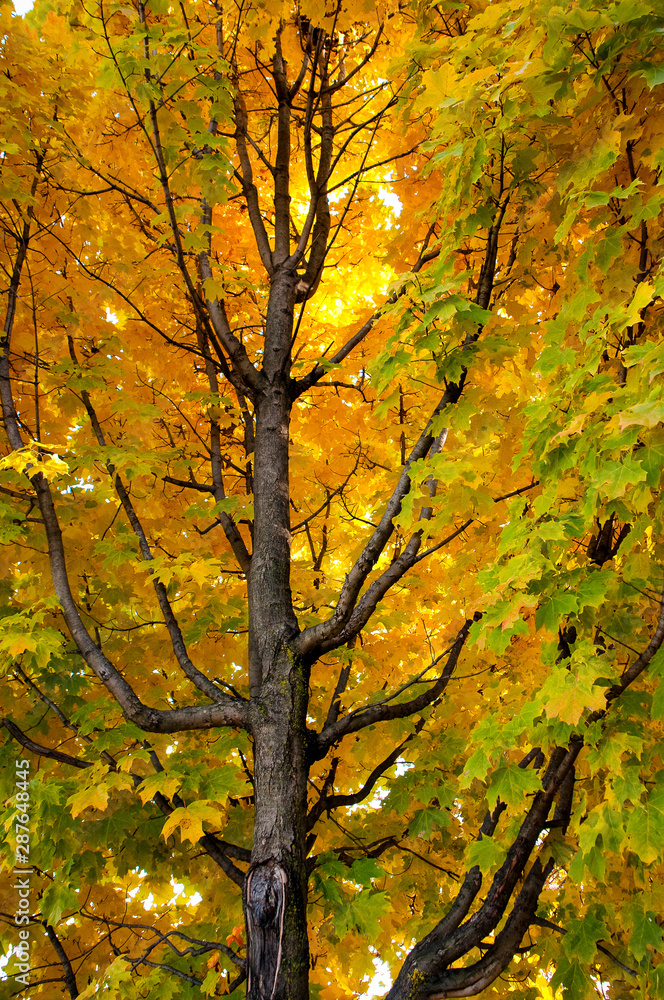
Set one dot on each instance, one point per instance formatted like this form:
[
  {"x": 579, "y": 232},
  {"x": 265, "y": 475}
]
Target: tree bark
[
  {"x": 275, "y": 893},
  {"x": 276, "y": 885}
]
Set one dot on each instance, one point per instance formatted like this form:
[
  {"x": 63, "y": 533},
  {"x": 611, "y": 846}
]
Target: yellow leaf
[
  {"x": 162, "y": 782},
  {"x": 642, "y": 296},
  {"x": 189, "y": 820},
  {"x": 94, "y": 797},
  {"x": 572, "y": 699}
]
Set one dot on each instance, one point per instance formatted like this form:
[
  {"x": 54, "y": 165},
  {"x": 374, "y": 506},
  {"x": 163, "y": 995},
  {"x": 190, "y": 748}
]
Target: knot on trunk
[{"x": 266, "y": 904}]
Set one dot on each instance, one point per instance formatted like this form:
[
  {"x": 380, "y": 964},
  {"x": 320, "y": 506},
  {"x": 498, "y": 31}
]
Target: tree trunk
[{"x": 276, "y": 884}]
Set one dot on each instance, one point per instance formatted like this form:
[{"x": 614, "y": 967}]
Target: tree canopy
[{"x": 332, "y": 600}]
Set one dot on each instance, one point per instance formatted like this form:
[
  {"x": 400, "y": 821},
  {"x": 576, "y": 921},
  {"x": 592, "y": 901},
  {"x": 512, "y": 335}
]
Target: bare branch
[
  {"x": 70, "y": 978},
  {"x": 246, "y": 178},
  {"x": 327, "y": 802},
  {"x": 252, "y": 380},
  {"x": 39, "y": 749},
  {"x": 363, "y": 62},
  {"x": 231, "y": 530},
  {"x": 631, "y": 673},
  {"x": 226, "y": 711},
  {"x": 202, "y": 682},
  {"x": 473, "y": 979},
  {"x": 219, "y": 850},
  {"x": 369, "y": 715},
  {"x": 427, "y": 970},
  {"x": 300, "y": 386},
  {"x": 542, "y": 922},
  {"x": 187, "y": 485},
  {"x": 331, "y": 633},
  {"x": 283, "y": 157},
  {"x": 621, "y": 965},
  {"x": 319, "y": 208},
  {"x": 335, "y": 703}
]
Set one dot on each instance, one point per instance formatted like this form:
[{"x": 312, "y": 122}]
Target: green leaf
[
  {"x": 552, "y": 611},
  {"x": 645, "y": 827},
  {"x": 58, "y": 897},
  {"x": 591, "y": 592},
  {"x": 614, "y": 478},
  {"x": 427, "y": 821},
  {"x": 485, "y": 853},
  {"x": 595, "y": 863},
  {"x": 582, "y": 936},
  {"x": 575, "y": 981},
  {"x": 653, "y": 75},
  {"x": 364, "y": 870},
  {"x": 362, "y": 915},
  {"x": 477, "y": 766},
  {"x": 657, "y": 706},
  {"x": 645, "y": 932},
  {"x": 511, "y": 784}
]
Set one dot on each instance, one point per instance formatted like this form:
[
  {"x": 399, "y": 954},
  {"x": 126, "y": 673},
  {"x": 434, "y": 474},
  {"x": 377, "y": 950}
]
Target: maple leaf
[
  {"x": 189, "y": 820},
  {"x": 645, "y": 827}
]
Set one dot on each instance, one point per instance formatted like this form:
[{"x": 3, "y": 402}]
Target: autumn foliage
[{"x": 332, "y": 594}]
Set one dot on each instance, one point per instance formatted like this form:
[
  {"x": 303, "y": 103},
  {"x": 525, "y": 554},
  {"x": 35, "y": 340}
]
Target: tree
[{"x": 331, "y": 387}]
